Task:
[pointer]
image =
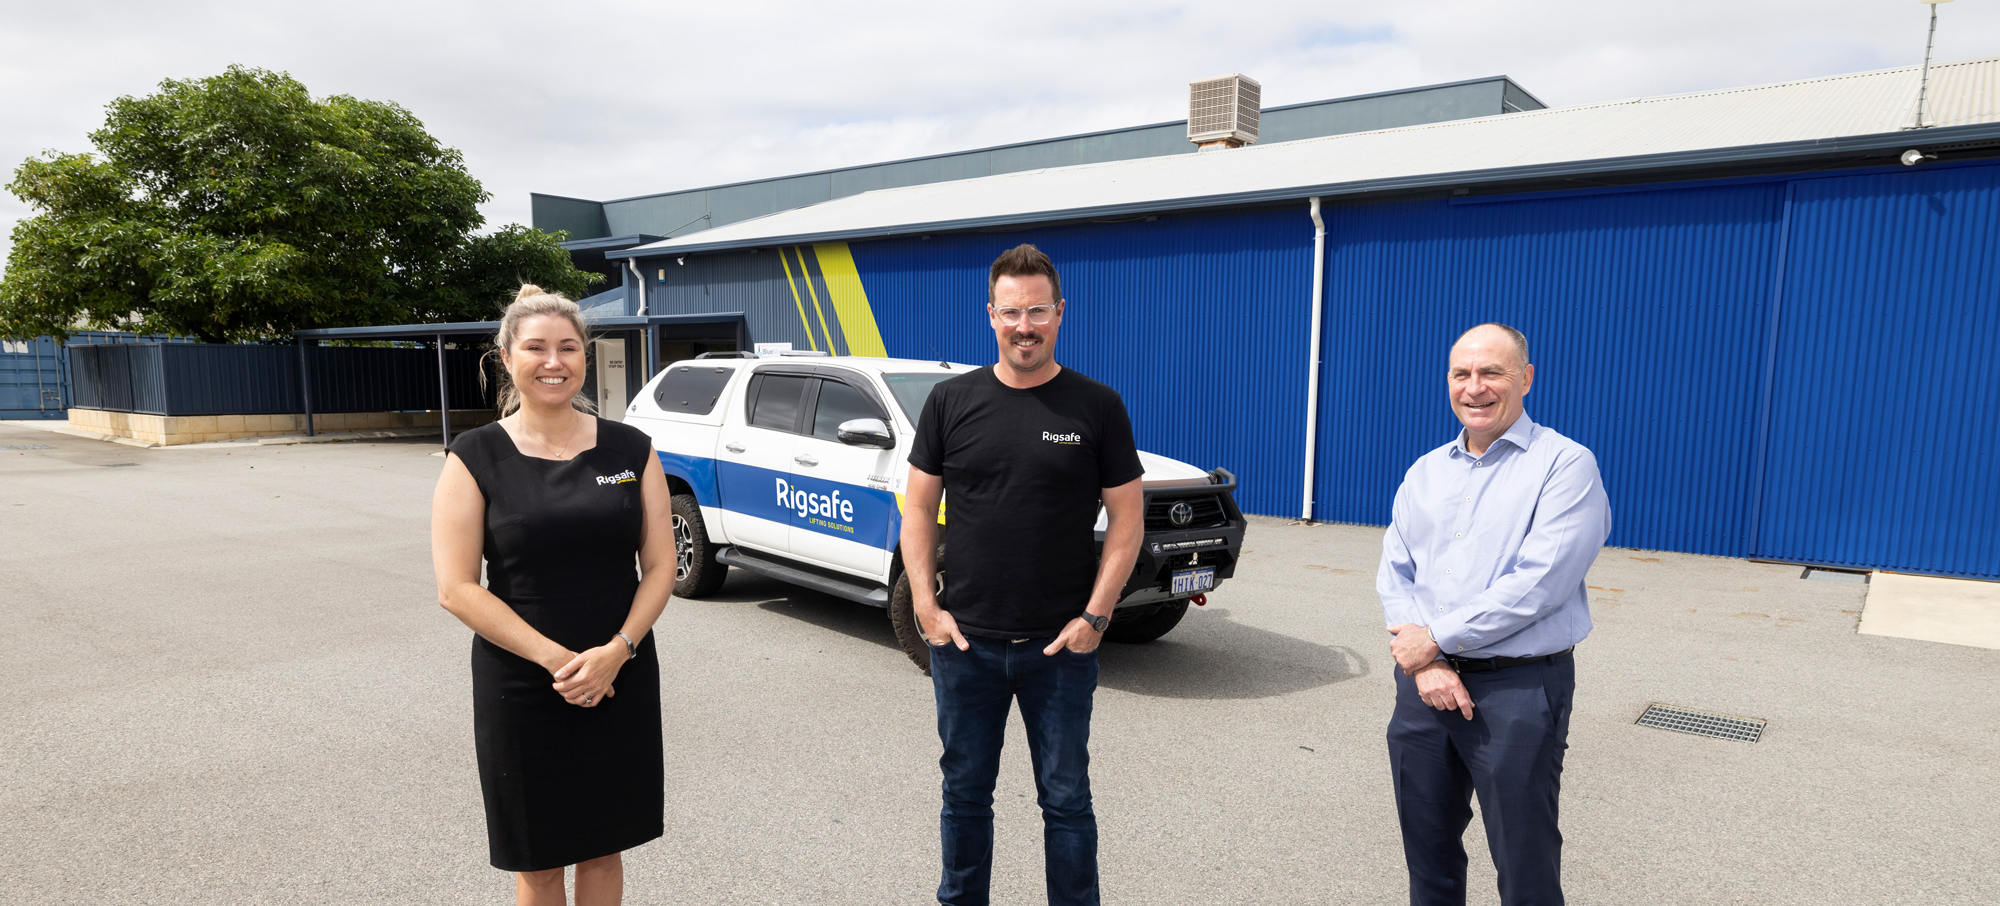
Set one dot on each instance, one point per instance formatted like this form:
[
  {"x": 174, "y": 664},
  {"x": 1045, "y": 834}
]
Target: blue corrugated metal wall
[
  {"x": 1196, "y": 321},
  {"x": 1646, "y": 316},
  {"x": 1844, "y": 437},
  {"x": 1889, "y": 319},
  {"x": 752, "y": 283}
]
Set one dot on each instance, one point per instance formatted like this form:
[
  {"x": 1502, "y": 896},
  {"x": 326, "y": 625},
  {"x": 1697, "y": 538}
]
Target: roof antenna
[
  {"x": 941, "y": 362},
  {"x": 1924, "y": 86}
]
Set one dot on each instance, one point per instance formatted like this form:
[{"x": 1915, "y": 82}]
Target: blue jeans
[
  {"x": 1510, "y": 754},
  {"x": 975, "y": 689}
]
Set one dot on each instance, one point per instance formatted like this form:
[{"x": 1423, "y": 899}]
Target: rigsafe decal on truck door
[{"x": 851, "y": 512}]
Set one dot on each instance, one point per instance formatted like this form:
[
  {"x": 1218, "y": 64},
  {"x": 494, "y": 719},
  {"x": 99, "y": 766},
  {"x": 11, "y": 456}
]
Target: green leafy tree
[{"x": 237, "y": 207}]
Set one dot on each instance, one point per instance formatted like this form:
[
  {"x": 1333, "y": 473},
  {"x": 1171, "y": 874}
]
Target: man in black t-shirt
[{"x": 1025, "y": 449}]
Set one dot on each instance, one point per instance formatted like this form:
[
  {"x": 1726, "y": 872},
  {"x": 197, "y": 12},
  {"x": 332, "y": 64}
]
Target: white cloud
[{"x": 612, "y": 99}]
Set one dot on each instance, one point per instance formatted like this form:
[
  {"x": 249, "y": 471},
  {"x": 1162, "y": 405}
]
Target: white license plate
[{"x": 1189, "y": 581}]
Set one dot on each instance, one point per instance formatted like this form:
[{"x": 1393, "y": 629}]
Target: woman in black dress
[{"x": 565, "y": 682}]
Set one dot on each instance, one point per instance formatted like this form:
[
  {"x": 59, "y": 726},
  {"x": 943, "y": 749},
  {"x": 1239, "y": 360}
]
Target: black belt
[{"x": 1490, "y": 664}]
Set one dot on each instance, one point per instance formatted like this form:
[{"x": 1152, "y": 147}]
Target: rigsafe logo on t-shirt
[
  {"x": 620, "y": 478},
  {"x": 1067, "y": 439}
]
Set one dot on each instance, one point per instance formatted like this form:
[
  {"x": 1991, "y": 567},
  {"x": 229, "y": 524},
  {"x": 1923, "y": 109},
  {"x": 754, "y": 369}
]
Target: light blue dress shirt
[{"x": 1490, "y": 551}]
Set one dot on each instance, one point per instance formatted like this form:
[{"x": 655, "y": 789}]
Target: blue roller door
[
  {"x": 1883, "y": 376},
  {"x": 1199, "y": 322},
  {"x": 1647, "y": 316}
]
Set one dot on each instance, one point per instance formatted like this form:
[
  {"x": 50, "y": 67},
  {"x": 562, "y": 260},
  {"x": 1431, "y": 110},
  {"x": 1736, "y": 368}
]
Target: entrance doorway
[{"x": 610, "y": 356}]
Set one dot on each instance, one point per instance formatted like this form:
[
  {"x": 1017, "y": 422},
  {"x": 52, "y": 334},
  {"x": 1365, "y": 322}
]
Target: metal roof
[
  {"x": 486, "y": 329},
  {"x": 1858, "y": 112}
]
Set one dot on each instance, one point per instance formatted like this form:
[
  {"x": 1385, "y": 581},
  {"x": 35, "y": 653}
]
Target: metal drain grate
[
  {"x": 25, "y": 447},
  {"x": 1701, "y": 723}
]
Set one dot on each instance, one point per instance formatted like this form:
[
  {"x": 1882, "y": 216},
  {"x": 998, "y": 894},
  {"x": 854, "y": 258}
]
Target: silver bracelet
[{"x": 631, "y": 650}]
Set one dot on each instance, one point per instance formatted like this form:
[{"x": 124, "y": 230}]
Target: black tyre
[
  {"x": 697, "y": 574},
  {"x": 903, "y": 616},
  {"x": 1146, "y": 627}
]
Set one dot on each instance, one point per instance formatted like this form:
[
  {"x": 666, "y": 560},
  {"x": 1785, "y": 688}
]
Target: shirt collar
[{"x": 1521, "y": 434}]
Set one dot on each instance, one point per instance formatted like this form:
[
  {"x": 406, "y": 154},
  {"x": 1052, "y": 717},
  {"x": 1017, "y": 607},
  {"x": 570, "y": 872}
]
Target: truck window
[
  {"x": 912, "y": 389},
  {"x": 692, "y": 389},
  {"x": 838, "y": 403},
  {"x": 776, "y": 402}
]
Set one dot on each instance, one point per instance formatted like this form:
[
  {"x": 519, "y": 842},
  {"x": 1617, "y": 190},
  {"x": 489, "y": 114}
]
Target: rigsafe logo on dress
[
  {"x": 1062, "y": 438},
  {"x": 620, "y": 478}
]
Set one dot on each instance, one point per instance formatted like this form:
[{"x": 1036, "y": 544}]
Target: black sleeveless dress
[{"x": 564, "y": 784}]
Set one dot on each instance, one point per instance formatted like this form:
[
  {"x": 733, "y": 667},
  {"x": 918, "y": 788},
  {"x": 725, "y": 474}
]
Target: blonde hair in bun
[{"x": 533, "y": 301}]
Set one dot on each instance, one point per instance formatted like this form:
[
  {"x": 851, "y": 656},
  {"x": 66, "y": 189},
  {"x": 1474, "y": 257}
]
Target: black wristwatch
[{"x": 1096, "y": 622}]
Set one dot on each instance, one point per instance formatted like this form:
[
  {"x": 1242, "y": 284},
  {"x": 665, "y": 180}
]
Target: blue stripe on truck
[
  {"x": 851, "y": 512},
  {"x": 697, "y": 471}
]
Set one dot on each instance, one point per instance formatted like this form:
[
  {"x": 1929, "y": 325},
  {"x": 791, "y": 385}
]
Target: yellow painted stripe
[
  {"x": 899, "y": 508},
  {"x": 787, "y": 262},
  {"x": 806, "y": 275},
  {"x": 850, "y": 300}
]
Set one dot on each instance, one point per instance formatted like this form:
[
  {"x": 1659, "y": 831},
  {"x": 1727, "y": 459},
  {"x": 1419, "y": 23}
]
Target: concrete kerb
[
  {"x": 383, "y": 434},
  {"x": 56, "y": 427}
]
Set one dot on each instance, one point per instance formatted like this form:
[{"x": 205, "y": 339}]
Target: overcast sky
[{"x": 612, "y": 99}]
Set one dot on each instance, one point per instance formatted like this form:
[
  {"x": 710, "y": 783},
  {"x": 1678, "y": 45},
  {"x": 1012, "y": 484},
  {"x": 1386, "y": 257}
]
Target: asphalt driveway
[{"x": 224, "y": 679}]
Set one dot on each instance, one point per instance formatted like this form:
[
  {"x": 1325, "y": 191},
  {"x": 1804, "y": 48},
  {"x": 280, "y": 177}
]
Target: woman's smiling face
[{"x": 546, "y": 360}]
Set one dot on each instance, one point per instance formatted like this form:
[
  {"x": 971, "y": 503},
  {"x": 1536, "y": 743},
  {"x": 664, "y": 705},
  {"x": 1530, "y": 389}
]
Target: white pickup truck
[{"x": 792, "y": 467}]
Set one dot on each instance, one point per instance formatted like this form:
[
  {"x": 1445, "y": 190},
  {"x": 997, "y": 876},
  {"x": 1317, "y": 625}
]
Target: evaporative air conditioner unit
[{"x": 1224, "y": 109}]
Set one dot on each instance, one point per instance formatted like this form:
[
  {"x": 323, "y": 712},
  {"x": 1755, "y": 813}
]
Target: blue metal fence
[{"x": 213, "y": 379}]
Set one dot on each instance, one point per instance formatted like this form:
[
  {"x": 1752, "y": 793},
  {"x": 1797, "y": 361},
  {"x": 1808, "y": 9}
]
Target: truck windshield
[{"x": 912, "y": 389}]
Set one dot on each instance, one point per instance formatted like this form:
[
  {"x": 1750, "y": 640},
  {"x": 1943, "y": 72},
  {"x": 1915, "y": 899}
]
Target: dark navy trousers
[
  {"x": 1510, "y": 754},
  {"x": 975, "y": 690}
]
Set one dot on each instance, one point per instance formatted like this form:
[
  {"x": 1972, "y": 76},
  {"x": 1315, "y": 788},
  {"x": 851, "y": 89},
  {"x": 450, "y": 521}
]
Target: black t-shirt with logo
[{"x": 1023, "y": 473}]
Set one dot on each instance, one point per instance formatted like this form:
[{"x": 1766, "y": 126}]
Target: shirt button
[
  {"x": 1459, "y": 535},
  {"x": 1440, "y": 610},
  {"x": 1468, "y": 500},
  {"x": 1461, "y": 647},
  {"x": 1447, "y": 572}
]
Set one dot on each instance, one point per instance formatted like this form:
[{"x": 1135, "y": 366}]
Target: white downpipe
[
  {"x": 1312, "y": 369},
  {"x": 639, "y": 282}
]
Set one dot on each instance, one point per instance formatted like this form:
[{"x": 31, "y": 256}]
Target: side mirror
[{"x": 867, "y": 432}]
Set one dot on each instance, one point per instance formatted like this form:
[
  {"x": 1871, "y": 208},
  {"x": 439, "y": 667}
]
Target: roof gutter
[{"x": 1772, "y": 152}]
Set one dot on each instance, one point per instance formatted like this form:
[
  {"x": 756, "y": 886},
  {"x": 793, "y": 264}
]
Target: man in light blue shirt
[{"x": 1482, "y": 586}]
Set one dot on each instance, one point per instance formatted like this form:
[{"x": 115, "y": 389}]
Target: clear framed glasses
[{"x": 1040, "y": 314}]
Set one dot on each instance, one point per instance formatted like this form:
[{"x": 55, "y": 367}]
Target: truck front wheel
[
  {"x": 1146, "y": 627},
  {"x": 697, "y": 573}
]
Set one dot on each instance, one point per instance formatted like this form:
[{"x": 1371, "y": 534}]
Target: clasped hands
[
  {"x": 1437, "y": 683},
  {"x": 585, "y": 678}
]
